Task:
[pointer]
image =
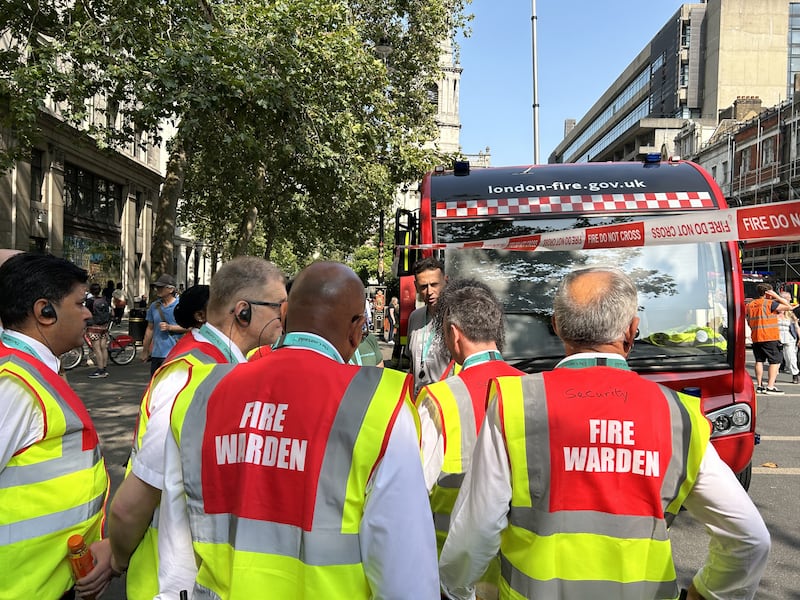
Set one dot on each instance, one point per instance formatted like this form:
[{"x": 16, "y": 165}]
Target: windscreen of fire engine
[{"x": 683, "y": 307}]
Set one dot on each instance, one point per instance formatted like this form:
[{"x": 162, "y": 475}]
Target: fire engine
[{"x": 691, "y": 336}]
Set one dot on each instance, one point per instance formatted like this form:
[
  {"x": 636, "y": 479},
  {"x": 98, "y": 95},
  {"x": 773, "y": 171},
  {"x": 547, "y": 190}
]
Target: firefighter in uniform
[
  {"x": 53, "y": 481},
  {"x": 244, "y": 304},
  {"x": 300, "y": 475},
  {"x": 578, "y": 472}
]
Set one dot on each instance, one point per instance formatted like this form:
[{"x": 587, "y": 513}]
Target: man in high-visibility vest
[
  {"x": 244, "y": 311},
  {"x": 300, "y": 474},
  {"x": 762, "y": 316},
  {"x": 452, "y": 410},
  {"x": 53, "y": 481},
  {"x": 578, "y": 472}
]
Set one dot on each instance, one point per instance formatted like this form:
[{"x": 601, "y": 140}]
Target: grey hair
[
  {"x": 603, "y": 316},
  {"x": 240, "y": 277},
  {"x": 471, "y": 306}
]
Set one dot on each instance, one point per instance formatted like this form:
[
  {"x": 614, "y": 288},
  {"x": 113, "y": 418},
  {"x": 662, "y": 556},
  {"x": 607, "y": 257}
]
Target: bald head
[
  {"x": 595, "y": 306},
  {"x": 6, "y": 253},
  {"x": 327, "y": 298}
]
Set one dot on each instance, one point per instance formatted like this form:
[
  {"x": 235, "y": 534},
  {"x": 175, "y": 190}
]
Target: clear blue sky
[{"x": 583, "y": 45}]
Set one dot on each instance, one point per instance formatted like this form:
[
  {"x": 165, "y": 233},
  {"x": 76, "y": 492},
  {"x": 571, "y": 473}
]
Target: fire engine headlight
[
  {"x": 722, "y": 423},
  {"x": 730, "y": 420},
  {"x": 740, "y": 418}
]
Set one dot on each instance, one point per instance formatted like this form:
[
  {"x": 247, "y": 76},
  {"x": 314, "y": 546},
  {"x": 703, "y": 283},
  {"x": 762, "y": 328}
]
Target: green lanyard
[
  {"x": 218, "y": 342},
  {"x": 481, "y": 357},
  {"x": 595, "y": 361},
  {"x": 310, "y": 341},
  {"x": 18, "y": 344}
]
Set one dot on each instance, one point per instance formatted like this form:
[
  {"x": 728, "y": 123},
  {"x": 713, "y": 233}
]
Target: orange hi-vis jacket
[{"x": 763, "y": 320}]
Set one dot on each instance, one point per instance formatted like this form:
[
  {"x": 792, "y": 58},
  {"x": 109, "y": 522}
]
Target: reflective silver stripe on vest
[
  {"x": 57, "y": 521},
  {"x": 441, "y": 521},
  {"x": 587, "y": 590},
  {"x": 681, "y": 439},
  {"x": 580, "y": 521},
  {"x": 325, "y": 544},
  {"x": 469, "y": 433},
  {"x": 451, "y": 480},
  {"x": 537, "y": 439},
  {"x": 72, "y": 460}
]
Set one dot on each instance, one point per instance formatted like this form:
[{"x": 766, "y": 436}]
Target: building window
[
  {"x": 433, "y": 94},
  {"x": 684, "y": 76},
  {"x": 88, "y": 195},
  {"x": 794, "y": 47},
  {"x": 37, "y": 175},
  {"x": 724, "y": 171},
  {"x": 745, "y": 164},
  {"x": 768, "y": 152},
  {"x": 714, "y": 172},
  {"x": 686, "y": 33}
]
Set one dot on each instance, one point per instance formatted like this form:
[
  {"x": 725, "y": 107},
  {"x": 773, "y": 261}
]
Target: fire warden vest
[
  {"x": 142, "y": 580},
  {"x": 51, "y": 490},
  {"x": 763, "y": 322},
  {"x": 601, "y": 461},
  {"x": 279, "y": 489},
  {"x": 458, "y": 406}
]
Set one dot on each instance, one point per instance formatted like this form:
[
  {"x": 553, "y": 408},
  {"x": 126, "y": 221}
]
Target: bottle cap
[{"x": 75, "y": 543}]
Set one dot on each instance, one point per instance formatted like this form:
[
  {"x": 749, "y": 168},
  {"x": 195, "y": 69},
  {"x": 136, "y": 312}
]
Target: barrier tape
[{"x": 773, "y": 222}]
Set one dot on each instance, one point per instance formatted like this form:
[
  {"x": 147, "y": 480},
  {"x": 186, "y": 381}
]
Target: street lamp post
[{"x": 198, "y": 246}]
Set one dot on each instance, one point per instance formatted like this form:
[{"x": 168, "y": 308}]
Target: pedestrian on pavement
[
  {"x": 790, "y": 334},
  {"x": 108, "y": 291},
  {"x": 578, "y": 472},
  {"x": 119, "y": 302},
  {"x": 97, "y": 329},
  {"x": 473, "y": 328},
  {"x": 243, "y": 307},
  {"x": 392, "y": 314},
  {"x": 430, "y": 360},
  {"x": 326, "y": 498},
  {"x": 53, "y": 481},
  {"x": 762, "y": 316},
  {"x": 162, "y": 331}
]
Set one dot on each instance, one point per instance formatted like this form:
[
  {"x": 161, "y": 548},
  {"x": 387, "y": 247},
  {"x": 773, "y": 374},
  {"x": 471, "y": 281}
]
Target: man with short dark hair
[
  {"x": 430, "y": 360},
  {"x": 578, "y": 472},
  {"x": 762, "y": 316},
  {"x": 53, "y": 481}
]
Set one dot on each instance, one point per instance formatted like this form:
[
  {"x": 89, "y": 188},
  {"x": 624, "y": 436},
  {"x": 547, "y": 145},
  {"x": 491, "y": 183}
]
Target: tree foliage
[{"x": 292, "y": 130}]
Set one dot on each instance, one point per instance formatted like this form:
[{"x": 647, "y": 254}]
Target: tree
[{"x": 290, "y": 126}]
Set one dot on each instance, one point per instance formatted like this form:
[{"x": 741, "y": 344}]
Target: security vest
[
  {"x": 142, "y": 580},
  {"x": 763, "y": 321},
  {"x": 457, "y": 406},
  {"x": 52, "y": 489},
  {"x": 601, "y": 461},
  {"x": 276, "y": 465}
]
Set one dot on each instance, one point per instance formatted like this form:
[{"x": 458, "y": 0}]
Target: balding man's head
[{"x": 327, "y": 298}]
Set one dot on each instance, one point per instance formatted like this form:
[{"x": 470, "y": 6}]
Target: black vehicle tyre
[
  {"x": 71, "y": 358},
  {"x": 745, "y": 475},
  {"x": 123, "y": 355}
]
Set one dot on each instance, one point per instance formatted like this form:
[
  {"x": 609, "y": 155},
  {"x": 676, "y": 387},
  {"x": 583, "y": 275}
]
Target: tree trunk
[
  {"x": 246, "y": 228},
  {"x": 161, "y": 252}
]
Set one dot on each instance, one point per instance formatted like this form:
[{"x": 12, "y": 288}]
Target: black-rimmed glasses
[{"x": 264, "y": 303}]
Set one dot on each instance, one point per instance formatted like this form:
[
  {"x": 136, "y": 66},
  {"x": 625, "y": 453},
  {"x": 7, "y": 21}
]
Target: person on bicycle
[{"x": 97, "y": 329}]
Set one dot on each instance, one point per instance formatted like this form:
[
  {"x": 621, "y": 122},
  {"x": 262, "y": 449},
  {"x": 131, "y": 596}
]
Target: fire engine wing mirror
[{"x": 405, "y": 234}]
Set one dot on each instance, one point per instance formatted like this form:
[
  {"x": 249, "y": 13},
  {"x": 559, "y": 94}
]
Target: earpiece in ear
[
  {"x": 245, "y": 315},
  {"x": 49, "y": 311}
]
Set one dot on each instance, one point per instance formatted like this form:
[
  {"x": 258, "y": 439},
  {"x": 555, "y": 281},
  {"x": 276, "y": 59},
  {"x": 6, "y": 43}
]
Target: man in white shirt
[
  {"x": 430, "y": 359},
  {"x": 578, "y": 472},
  {"x": 47, "y": 439},
  {"x": 244, "y": 311}
]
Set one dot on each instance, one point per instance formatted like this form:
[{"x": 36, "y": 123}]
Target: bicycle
[{"x": 121, "y": 351}]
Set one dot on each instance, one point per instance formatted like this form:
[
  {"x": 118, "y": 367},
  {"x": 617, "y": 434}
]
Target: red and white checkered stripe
[{"x": 574, "y": 204}]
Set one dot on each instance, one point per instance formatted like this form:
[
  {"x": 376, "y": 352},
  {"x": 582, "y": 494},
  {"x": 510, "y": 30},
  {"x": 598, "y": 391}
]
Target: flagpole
[{"x": 535, "y": 86}]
